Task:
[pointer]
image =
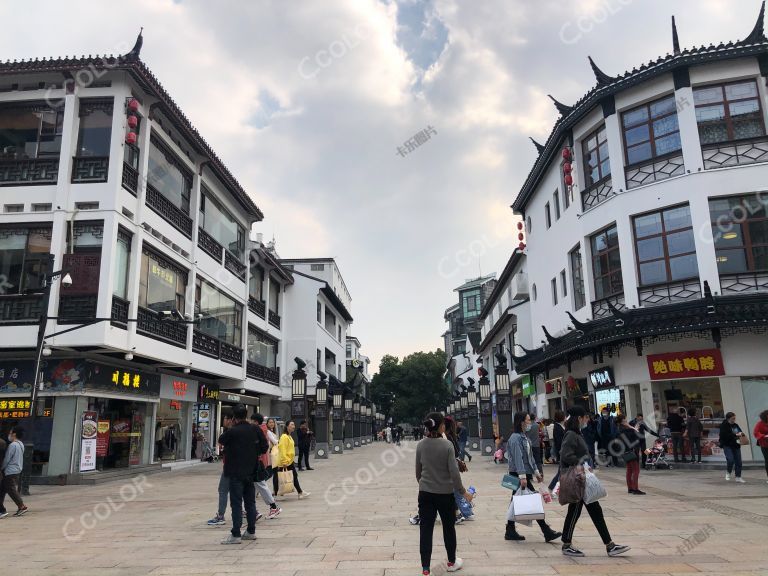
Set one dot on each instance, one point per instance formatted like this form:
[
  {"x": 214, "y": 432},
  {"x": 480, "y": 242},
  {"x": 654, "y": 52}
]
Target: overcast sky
[{"x": 307, "y": 101}]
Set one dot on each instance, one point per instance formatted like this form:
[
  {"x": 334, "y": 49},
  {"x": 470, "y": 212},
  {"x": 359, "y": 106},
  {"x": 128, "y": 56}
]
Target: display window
[{"x": 122, "y": 432}]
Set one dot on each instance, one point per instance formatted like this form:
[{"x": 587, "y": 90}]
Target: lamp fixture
[{"x": 46, "y": 351}]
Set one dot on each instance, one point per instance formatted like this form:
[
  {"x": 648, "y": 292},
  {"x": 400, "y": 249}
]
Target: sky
[{"x": 310, "y": 104}]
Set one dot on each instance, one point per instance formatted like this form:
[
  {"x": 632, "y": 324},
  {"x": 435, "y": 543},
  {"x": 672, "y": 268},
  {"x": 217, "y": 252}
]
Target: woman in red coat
[{"x": 761, "y": 434}]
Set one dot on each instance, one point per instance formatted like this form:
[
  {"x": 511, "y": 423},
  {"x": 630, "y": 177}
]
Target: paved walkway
[{"x": 157, "y": 526}]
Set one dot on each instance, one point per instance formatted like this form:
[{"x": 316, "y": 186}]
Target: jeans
[
  {"x": 303, "y": 457},
  {"x": 430, "y": 505},
  {"x": 223, "y": 493},
  {"x": 677, "y": 445},
  {"x": 463, "y": 454},
  {"x": 292, "y": 467},
  {"x": 242, "y": 490},
  {"x": 595, "y": 512},
  {"x": 536, "y": 452},
  {"x": 10, "y": 486},
  {"x": 733, "y": 457},
  {"x": 695, "y": 444},
  {"x": 633, "y": 474}
]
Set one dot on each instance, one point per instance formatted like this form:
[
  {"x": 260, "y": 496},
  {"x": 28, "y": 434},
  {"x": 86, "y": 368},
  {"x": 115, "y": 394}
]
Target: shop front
[
  {"x": 553, "y": 390},
  {"x": 204, "y": 422},
  {"x": 174, "y": 424},
  {"x": 577, "y": 393},
  {"x": 608, "y": 396},
  {"x": 228, "y": 400}
]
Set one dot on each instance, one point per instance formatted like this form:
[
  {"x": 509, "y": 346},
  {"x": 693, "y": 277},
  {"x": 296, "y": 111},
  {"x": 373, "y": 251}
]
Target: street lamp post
[
  {"x": 472, "y": 421},
  {"x": 464, "y": 406},
  {"x": 487, "y": 446},
  {"x": 321, "y": 418},
  {"x": 368, "y": 427},
  {"x": 503, "y": 397},
  {"x": 337, "y": 439},
  {"x": 356, "y": 421},
  {"x": 349, "y": 441},
  {"x": 299, "y": 391}
]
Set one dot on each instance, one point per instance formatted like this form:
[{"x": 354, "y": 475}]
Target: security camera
[{"x": 66, "y": 281}]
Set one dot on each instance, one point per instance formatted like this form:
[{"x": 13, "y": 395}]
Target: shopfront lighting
[{"x": 46, "y": 351}]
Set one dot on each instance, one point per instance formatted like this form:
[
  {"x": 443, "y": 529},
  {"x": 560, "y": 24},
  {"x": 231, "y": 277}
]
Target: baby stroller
[
  {"x": 209, "y": 455},
  {"x": 657, "y": 455}
]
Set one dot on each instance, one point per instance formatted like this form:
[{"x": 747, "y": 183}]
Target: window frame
[
  {"x": 556, "y": 203},
  {"x": 547, "y": 216},
  {"x": 29, "y": 259},
  {"x": 747, "y": 244},
  {"x": 563, "y": 284},
  {"x": 579, "y": 290},
  {"x": 586, "y": 152},
  {"x": 181, "y": 273},
  {"x": 652, "y": 136},
  {"x": 726, "y": 109},
  {"x": 237, "y": 326},
  {"x": 553, "y": 286},
  {"x": 596, "y": 255}
]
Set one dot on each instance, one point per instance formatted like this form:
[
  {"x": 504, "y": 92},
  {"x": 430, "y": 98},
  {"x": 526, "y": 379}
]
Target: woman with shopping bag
[
  {"x": 287, "y": 478},
  {"x": 573, "y": 454},
  {"x": 523, "y": 466}
]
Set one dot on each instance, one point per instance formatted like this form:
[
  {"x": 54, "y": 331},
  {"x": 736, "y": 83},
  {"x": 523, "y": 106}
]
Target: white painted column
[
  {"x": 628, "y": 264},
  {"x": 646, "y": 403},
  {"x": 108, "y": 264},
  {"x": 616, "y": 152},
  {"x": 689, "y": 130}
]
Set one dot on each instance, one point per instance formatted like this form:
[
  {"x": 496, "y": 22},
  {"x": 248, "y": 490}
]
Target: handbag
[
  {"x": 285, "y": 482},
  {"x": 526, "y": 505},
  {"x": 629, "y": 456},
  {"x": 572, "y": 481},
  {"x": 260, "y": 473},
  {"x": 462, "y": 465},
  {"x": 743, "y": 440},
  {"x": 593, "y": 488},
  {"x": 274, "y": 456},
  {"x": 510, "y": 482}
]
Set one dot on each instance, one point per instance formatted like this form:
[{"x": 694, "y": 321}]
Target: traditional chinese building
[{"x": 646, "y": 215}]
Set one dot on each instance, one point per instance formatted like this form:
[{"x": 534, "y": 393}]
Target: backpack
[{"x": 262, "y": 446}]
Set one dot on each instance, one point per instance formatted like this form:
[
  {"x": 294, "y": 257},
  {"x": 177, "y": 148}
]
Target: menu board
[
  {"x": 88, "y": 442},
  {"x": 102, "y": 438}
]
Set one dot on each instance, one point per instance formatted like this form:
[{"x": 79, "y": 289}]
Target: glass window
[
  {"x": 471, "y": 303},
  {"x": 94, "y": 134},
  {"x": 596, "y": 158},
  {"x": 651, "y": 130},
  {"x": 222, "y": 316},
  {"x": 30, "y": 130},
  {"x": 547, "y": 215},
  {"x": 577, "y": 278},
  {"x": 319, "y": 312},
  {"x": 553, "y": 285},
  {"x": 330, "y": 321},
  {"x": 665, "y": 246},
  {"x": 261, "y": 348},
  {"x": 24, "y": 254},
  {"x": 728, "y": 112},
  {"x": 162, "y": 285},
  {"x": 740, "y": 232},
  {"x": 274, "y": 295},
  {"x": 563, "y": 284},
  {"x": 256, "y": 283},
  {"x": 556, "y": 204},
  {"x": 221, "y": 225},
  {"x": 606, "y": 263},
  {"x": 167, "y": 177},
  {"x": 122, "y": 264}
]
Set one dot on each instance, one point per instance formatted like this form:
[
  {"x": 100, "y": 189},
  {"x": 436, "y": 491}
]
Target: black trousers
[
  {"x": 765, "y": 457},
  {"x": 430, "y": 505},
  {"x": 10, "y": 485},
  {"x": 275, "y": 472},
  {"x": 595, "y": 512},
  {"x": 543, "y": 525},
  {"x": 303, "y": 457},
  {"x": 677, "y": 445}
]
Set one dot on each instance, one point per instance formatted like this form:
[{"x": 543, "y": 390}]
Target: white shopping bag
[
  {"x": 526, "y": 506},
  {"x": 593, "y": 488}
]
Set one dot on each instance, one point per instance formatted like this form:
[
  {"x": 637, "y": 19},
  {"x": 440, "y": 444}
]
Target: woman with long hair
[
  {"x": 287, "y": 457},
  {"x": 522, "y": 464},
  {"x": 437, "y": 472},
  {"x": 761, "y": 435},
  {"x": 730, "y": 435},
  {"x": 574, "y": 452},
  {"x": 628, "y": 441}
]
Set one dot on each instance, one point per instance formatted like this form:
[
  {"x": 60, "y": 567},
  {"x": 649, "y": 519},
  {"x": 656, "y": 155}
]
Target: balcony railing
[
  {"x": 90, "y": 168},
  {"x": 258, "y": 307},
  {"x": 737, "y": 153},
  {"x": 655, "y": 170},
  {"x": 209, "y": 245},
  {"x": 21, "y": 308},
  {"x": 29, "y": 171},
  {"x": 207, "y": 345},
  {"x": 259, "y": 372},
  {"x": 597, "y": 193},
  {"x": 75, "y": 309},
  {"x": 234, "y": 265},
  {"x": 120, "y": 312},
  {"x": 744, "y": 283},
  {"x": 167, "y": 210},
  {"x": 130, "y": 178},
  {"x": 600, "y": 307},
  {"x": 274, "y": 319},
  {"x": 667, "y": 293},
  {"x": 150, "y": 324}
]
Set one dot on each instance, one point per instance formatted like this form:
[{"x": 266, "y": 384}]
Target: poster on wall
[
  {"x": 137, "y": 431},
  {"x": 102, "y": 438},
  {"x": 88, "y": 442},
  {"x": 609, "y": 399}
]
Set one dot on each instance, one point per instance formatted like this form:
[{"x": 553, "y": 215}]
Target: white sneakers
[
  {"x": 740, "y": 480},
  {"x": 456, "y": 566},
  {"x": 727, "y": 476}
]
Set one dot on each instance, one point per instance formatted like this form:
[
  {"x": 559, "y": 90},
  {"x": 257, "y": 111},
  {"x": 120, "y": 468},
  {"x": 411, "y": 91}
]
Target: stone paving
[{"x": 356, "y": 523}]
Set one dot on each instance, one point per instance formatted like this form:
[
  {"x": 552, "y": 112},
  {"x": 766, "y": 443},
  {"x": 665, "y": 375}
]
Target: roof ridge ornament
[
  {"x": 602, "y": 78},
  {"x": 562, "y": 108},
  {"x": 675, "y": 39},
  {"x": 539, "y": 147},
  {"x": 758, "y": 32},
  {"x": 136, "y": 50}
]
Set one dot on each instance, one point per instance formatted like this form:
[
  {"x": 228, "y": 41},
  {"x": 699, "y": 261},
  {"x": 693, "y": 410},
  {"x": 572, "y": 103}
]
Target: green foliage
[{"x": 408, "y": 390}]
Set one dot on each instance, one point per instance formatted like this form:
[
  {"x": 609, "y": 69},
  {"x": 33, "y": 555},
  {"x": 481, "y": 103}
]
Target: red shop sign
[{"x": 691, "y": 364}]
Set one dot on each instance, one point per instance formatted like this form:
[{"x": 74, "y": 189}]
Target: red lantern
[
  {"x": 566, "y": 153},
  {"x": 567, "y": 168},
  {"x": 521, "y": 246},
  {"x": 130, "y": 138},
  {"x": 519, "y": 225},
  {"x": 133, "y": 121},
  {"x": 520, "y": 236},
  {"x": 133, "y": 105},
  {"x": 568, "y": 180}
]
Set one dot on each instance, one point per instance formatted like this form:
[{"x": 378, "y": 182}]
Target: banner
[
  {"x": 691, "y": 364},
  {"x": 102, "y": 439},
  {"x": 90, "y": 430}
]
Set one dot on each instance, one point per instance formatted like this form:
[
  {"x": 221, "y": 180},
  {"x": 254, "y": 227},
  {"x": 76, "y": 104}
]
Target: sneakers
[
  {"x": 454, "y": 566},
  {"x": 259, "y": 516},
  {"x": 569, "y": 550},
  {"x": 3, "y": 515},
  {"x": 304, "y": 495},
  {"x": 616, "y": 549},
  {"x": 727, "y": 476},
  {"x": 459, "y": 519},
  {"x": 232, "y": 540},
  {"x": 469, "y": 518},
  {"x": 274, "y": 513},
  {"x": 551, "y": 535},
  {"x": 638, "y": 492},
  {"x": 514, "y": 536},
  {"x": 248, "y": 536},
  {"x": 414, "y": 520},
  {"x": 425, "y": 572},
  {"x": 217, "y": 521},
  {"x": 739, "y": 479},
  {"x": 21, "y": 511}
]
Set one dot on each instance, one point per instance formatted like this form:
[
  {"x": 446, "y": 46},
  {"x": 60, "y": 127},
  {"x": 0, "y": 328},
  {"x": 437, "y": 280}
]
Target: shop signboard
[
  {"x": 16, "y": 408},
  {"x": 180, "y": 389},
  {"x": 602, "y": 378},
  {"x": 528, "y": 387},
  {"x": 554, "y": 386},
  {"x": 17, "y": 376},
  {"x": 102, "y": 438},
  {"x": 204, "y": 416},
  {"x": 209, "y": 392},
  {"x": 690, "y": 364},
  {"x": 90, "y": 430}
]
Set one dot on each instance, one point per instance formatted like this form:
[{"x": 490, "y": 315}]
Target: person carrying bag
[{"x": 287, "y": 478}]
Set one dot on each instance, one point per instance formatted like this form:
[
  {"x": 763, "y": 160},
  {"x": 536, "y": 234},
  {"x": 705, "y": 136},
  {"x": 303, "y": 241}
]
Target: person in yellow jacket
[{"x": 287, "y": 456}]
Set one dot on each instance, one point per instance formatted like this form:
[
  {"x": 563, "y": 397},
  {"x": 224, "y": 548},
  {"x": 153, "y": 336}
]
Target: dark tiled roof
[
  {"x": 148, "y": 82},
  {"x": 755, "y": 44},
  {"x": 514, "y": 260}
]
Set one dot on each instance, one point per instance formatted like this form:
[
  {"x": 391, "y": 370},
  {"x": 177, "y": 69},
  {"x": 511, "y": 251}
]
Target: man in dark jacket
[
  {"x": 305, "y": 442},
  {"x": 606, "y": 432},
  {"x": 240, "y": 443},
  {"x": 642, "y": 429},
  {"x": 676, "y": 425},
  {"x": 463, "y": 438}
]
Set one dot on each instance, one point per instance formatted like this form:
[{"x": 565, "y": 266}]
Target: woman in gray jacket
[{"x": 523, "y": 465}]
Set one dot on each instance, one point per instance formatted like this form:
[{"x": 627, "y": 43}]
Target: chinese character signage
[
  {"x": 554, "y": 386},
  {"x": 15, "y": 408},
  {"x": 102, "y": 438},
  {"x": 602, "y": 378},
  {"x": 17, "y": 376},
  {"x": 121, "y": 380},
  {"x": 528, "y": 387},
  {"x": 175, "y": 388},
  {"x": 88, "y": 442},
  {"x": 692, "y": 364},
  {"x": 208, "y": 392}
]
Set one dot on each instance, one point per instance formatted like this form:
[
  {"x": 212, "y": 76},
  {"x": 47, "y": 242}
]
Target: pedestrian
[
  {"x": 730, "y": 442},
  {"x": 463, "y": 437},
  {"x": 761, "y": 435},
  {"x": 261, "y": 485},
  {"x": 590, "y": 437},
  {"x": 606, "y": 432},
  {"x": 437, "y": 473},
  {"x": 10, "y": 472},
  {"x": 558, "y": 431},
  {"x": 546, "y": 430},
  {"x": 218, "y": 519},
  {"x": 286, "y": 459},
  {"x": 643, "y": 430},
  {"x": 522, "y": 464},
  {"x": 305, "y": 441},
  {"x": 694, "y": 429},
  {"x": 465, "y": 511},
  {"x": 574, "y": 452},
  {"x": 239, "y": 442},
  {"x": 627, "y": 443},
  {"x": 534, "y": 436},
  {"x": 676, "y": 425}
]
